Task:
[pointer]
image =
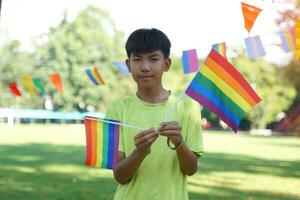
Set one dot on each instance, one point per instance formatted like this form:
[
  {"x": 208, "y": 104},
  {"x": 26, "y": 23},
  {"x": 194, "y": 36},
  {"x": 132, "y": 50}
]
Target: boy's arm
[
  {"x": 188, "y": 160},
  {"x": 126, "y": 167}
]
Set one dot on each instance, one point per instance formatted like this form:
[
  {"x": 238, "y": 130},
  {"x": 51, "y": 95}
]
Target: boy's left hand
[{"x": 171, "y": 130}]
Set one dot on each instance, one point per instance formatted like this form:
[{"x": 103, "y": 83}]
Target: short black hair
[{"x": 146, "y": 41}]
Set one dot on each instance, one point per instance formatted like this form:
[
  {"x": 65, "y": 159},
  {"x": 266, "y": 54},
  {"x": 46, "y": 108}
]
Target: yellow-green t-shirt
[{"x": 159, "y": 176}]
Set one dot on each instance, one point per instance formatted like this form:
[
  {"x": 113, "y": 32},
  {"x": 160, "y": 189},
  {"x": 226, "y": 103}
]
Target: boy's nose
[{"x": 145, "y": 66}]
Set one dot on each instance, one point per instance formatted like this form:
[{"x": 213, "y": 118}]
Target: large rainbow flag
[
  {"x": 223, "y": 90},
  {"x": 102, "y": 141}
]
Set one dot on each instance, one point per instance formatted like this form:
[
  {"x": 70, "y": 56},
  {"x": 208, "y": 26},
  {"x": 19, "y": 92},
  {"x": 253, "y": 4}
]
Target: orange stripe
[
  {"x": 226, "y": 77},
  {"x": 94, "y": 143},
  {"x": 98, "y": 76}
]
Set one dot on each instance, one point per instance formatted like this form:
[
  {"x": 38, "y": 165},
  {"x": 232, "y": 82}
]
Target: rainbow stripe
[
  {"x": 102, "y": 141},
  {"x": 223, "y": 90},
  {"x": 287, "y": 40},
  {"x": 95, "y": 76},
  {"x": 297, "y": 38},
  {"x": 190, "y": 61},
  {"x": 254, "y": 47},
  {"x": 220, "y": 48}
]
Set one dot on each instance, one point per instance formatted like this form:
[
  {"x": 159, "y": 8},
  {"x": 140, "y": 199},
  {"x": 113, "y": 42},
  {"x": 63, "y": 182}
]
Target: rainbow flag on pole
[
  {"x": 95, "y": 76},
  {"x": 102, "y": 141},
  {"x": 223, "y": 90}
]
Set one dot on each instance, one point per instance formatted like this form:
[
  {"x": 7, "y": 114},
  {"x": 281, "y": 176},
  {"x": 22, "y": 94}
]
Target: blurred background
[{"x": 47, "y": 46}]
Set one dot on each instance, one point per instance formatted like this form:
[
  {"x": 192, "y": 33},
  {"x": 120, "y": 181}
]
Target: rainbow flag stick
[{"x": 113, "y": 122}]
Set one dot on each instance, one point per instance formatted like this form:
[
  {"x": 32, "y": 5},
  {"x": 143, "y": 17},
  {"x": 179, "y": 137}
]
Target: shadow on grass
[
  {"x": 44, "y": 171},
  {"x": 212, "y": 162}
]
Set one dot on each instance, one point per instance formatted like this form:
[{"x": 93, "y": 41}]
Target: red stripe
[
  {"x": 88, "y": 134},
  {"x": 235, "y": 74}
]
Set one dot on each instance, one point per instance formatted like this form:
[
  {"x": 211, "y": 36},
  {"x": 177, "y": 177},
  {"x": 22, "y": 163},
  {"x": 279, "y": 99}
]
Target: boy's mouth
[{"x": 145, "y": 77}]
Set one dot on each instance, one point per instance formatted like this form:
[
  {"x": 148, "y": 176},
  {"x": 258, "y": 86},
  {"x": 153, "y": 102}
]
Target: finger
[
  {"x": 170, "y": 127},
  {"x": 146, "y": 137},
  {"x": 147, "y": 143},
  {"x": 143, "y": 133},
  {"x": 170, "y": 133},
  {"x": 167, "y": 123}
]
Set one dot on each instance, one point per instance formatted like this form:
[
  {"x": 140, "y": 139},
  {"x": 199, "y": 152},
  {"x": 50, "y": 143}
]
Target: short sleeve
[
  {"x": 113, "y": 112},
  {"x": 192, "y": 127}
]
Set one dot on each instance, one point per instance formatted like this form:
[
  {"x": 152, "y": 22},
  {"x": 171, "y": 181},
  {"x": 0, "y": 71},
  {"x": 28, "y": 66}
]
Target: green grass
[{"x": 45, "y": 162}]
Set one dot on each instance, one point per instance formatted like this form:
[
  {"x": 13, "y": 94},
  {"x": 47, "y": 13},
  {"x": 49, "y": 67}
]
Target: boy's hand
[
  {"x": 144, "y": 140},
  {"x": 172, "y": 130}
]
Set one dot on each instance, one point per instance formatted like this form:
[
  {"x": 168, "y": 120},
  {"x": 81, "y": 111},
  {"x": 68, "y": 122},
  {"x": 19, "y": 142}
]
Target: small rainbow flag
[
  {"x": 220, "y": 48},
  {"x": 254, "y": 47},
  {"x": 223, "y": 90},
  {"x": 102, "y": 141},
  {"x": 287, "y": 40},
  {"x": 190, "y": 61},
  {"x": 95, "y": 76}
]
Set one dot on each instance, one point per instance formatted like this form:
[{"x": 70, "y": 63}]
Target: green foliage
[
  {"x": 270, "y": 85},
  {"x": 15, "y": 63}
]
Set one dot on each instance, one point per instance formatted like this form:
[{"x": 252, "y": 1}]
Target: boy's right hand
[{"x": 144, "y": 140}]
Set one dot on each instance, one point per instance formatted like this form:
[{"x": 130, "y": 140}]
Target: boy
[{"x": 153, "y": 164}]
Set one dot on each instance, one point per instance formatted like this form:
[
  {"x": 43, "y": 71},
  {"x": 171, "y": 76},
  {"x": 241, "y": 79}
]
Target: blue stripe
[
  {"x": 215, "y": 99},
  {"x": 185, "y": 62},
  {"x": 90, "y": 75},
  {"x": 110, "y": 146}
]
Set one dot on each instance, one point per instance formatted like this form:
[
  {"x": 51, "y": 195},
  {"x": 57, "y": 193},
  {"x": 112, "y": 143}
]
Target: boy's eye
[
  {"x": 135, "y": 59},
  {"x": 155, "y": 59}
]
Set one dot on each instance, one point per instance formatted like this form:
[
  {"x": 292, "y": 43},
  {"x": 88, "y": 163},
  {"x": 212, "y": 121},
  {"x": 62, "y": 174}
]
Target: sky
[{"x": 190, "y": 24}]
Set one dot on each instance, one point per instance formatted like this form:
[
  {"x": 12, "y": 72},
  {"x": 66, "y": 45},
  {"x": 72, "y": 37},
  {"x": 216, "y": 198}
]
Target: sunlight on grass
[{"x": 46, "y": 162}]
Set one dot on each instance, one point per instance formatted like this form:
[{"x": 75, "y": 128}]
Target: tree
[
  {"x": 90, "y": 40},
  {"x": 276, "y": 94}
]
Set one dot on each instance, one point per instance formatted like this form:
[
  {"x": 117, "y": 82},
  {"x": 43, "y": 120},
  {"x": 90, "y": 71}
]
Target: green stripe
[
  {"x": 105, "y": 144},
  {"x": 204, "y": 81}
]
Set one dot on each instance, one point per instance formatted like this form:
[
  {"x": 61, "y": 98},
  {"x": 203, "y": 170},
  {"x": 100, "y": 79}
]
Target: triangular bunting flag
[
  {"x": 14, "y": 89},
  {"x": 56, "y": 81},
  {"x": 38, "y": 85},
  {"x": 28, "y": 83},
  {"x": 250, "y": 14}
]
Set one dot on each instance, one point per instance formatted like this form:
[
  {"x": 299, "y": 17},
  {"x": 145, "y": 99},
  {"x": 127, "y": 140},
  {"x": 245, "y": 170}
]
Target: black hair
[{"x": 146, "y": 41}]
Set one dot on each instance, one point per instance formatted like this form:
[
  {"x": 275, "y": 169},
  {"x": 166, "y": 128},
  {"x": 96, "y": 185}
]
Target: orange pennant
[
  {"x": 56, "y": 81},
  {"x": 250, "y": 14}
]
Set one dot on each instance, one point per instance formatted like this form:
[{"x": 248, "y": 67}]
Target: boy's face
[{"x": 147, "y": 69}]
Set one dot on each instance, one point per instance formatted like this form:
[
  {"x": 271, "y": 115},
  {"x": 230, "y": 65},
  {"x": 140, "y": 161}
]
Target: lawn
[{"x": 45, "y": 162}]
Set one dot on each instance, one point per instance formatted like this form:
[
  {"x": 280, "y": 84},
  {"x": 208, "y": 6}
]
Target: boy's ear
[
  {"x": 168, "y": 63},
  {"x": 128, "y": 64}
]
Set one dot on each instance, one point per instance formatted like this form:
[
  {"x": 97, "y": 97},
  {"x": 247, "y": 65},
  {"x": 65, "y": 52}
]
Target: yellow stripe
[
  {"x": 290, "y": 40},
  {"x": 96, "y": 77},
  {"x": 235, "y": 97},
  {"x": 99, "y": 143}
]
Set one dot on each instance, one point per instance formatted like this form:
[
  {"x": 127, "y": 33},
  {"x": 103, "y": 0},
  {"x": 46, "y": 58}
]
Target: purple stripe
[
  {"x": 116, "y": 144},
  {"x": 193, "y": 60},
  {"x": 205, "y": 102}
]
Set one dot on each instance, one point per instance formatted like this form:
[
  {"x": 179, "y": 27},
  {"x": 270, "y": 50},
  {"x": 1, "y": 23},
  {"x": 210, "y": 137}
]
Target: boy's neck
[{"x": 154, "y": 95}]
